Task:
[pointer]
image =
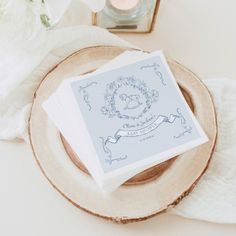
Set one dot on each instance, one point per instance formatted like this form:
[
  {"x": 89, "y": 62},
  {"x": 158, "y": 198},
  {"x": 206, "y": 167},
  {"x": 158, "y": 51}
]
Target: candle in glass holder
[
  {"x": 125, "y": 11},
  {"x": 124, "y": 5},
  {"x": 127, "y": 15}
]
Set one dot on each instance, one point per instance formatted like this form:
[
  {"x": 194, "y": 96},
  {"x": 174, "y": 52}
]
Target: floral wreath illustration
[
  {"x": 151, "y": 95},
  {"x": 112, "y": 91}
]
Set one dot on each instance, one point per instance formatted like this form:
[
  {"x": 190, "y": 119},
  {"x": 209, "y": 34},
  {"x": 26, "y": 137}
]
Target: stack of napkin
[{"x": 125, "y": 117}]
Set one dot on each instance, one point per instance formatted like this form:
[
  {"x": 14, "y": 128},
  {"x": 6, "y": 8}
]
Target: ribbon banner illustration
[{"x": 139, "y": 132}]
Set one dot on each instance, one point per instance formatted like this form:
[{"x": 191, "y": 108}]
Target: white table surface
[{"x": 198, "y": 33}]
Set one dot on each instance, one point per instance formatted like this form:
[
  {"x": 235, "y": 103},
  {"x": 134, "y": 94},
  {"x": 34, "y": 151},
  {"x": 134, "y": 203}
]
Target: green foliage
[
  {"x": 44, "y": 17},
  {"x": 45, "y": 20}
]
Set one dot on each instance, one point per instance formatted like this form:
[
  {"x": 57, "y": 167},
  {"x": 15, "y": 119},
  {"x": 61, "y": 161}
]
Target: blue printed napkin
[{"x": 125, "y": 117}]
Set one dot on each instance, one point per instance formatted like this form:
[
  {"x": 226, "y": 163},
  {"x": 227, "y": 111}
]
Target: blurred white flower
[
  {"x": 57, "y": 8},
  {"x": 33, "y": 15},
  {"x": 24, "y": 24},
  {"x": 94, "y": 5}
]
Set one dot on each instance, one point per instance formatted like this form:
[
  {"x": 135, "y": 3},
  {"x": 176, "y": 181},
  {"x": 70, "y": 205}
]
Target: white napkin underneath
[{"x": 214, "y": 197}]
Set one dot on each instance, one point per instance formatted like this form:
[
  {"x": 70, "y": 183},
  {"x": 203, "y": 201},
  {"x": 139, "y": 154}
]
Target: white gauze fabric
[{"x": 214, "y": 197}]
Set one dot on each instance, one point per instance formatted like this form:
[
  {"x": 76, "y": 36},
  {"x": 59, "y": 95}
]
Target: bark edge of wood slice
[{"x": 125, "y": 204}]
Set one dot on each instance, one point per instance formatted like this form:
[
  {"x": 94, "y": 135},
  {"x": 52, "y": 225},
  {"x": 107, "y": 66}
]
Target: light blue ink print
[
  {"x": 186, "y": 128},
  {"x": 131, "y": 115},
  {"x": 127, "y": 133},
  {"x": 110, "y": 159},
  {"x": 85, "y": 93},
  {"x": 156, "y": 71},
  {"x": 140, "y": 123},
  {"x": 128, "y": 98},
  {"x": 131, "y": 101}
]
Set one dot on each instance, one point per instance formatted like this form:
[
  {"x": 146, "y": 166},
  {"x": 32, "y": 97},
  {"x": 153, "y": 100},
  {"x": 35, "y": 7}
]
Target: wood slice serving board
[{"x": 146, "y": 194}]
